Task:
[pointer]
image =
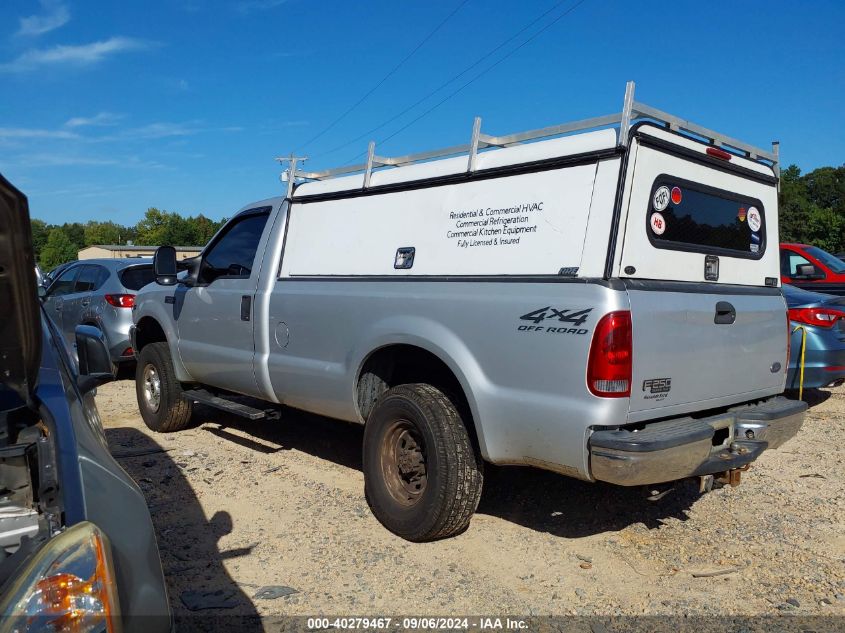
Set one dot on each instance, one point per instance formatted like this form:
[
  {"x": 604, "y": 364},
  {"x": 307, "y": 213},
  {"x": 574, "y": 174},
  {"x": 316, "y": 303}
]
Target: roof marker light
[{"x": 718, "y": 153}]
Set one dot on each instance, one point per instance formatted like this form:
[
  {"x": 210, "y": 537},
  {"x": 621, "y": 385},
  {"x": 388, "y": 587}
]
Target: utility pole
[{"x": 289, "y": 174}]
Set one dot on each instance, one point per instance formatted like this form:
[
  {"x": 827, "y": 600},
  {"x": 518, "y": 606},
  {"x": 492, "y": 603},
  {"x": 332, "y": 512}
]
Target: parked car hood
[{"x": 20, "y": 327}]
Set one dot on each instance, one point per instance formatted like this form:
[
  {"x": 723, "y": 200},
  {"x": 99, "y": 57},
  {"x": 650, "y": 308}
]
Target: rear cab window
[{"x": 693, "y": 217}]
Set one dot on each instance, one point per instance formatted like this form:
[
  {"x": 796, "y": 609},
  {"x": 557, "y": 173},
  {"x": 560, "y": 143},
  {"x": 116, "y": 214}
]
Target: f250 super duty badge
[
  {"x": 659, "y": 388},
  {"x": 574, "y": 317}
]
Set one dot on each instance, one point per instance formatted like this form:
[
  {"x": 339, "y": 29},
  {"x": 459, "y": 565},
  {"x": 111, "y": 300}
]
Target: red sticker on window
[
  {"x": 741, "y": 214},
  {"x": 676, "y": 195}
]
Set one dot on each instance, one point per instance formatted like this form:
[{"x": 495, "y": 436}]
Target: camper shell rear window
[{"x": 692, "y": 217}]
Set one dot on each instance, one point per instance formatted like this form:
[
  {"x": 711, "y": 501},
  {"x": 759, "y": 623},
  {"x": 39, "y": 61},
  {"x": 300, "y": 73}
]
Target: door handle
[
  {"x": 725, "y": 313},
  {"x": 246, "y": 301}
]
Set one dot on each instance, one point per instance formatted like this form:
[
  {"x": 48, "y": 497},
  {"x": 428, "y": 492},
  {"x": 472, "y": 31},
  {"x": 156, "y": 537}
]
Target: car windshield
[
  {"x": 834, "y": 263},
  {"x": 136, "y": 277}
]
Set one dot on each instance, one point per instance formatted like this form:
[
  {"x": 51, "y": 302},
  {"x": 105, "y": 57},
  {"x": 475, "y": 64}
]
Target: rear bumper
[
  {"x": 118, "y": 351},
  {"x": 686, "y": 447},
  {"x": 132, "y": 340}
]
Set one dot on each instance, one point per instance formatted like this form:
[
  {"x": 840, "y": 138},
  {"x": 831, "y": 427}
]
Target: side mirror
[
  {"x": 95, "y": 366},
  {"x": 164, "y": 266},
  {"x": 42, "y": 291},
  {"x": 807, "y": 271}
]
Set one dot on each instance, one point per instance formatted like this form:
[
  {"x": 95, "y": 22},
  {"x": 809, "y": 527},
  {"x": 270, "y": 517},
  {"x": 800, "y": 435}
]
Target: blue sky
[{"x": 108, "y": 108}]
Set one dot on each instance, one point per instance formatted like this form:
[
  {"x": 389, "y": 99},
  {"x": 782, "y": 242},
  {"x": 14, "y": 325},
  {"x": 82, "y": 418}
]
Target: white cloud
[
  {"x": 62, "y": 160},
  {"x": 99, "y": 119},
  {"x": 59, "y": 159},
  {"x": 55, "y": 15},
  {"x": 80, "y": 55},
  {"x": 159, "y": 130},
  {"x": 34, "y": 133},
  {"x": 162, "y": 130}
]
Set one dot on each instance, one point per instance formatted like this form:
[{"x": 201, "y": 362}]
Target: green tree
[
  {"x": 40, "y": 232},
  {"x": 793, "y": 205},
  {"x": 75, "y": 232},
  {"x": 58, "y": 250},
  {"x": 180, "y": 231},
  {"x": 812, "y": 207},
  {"x": 204, "y": 229},
  {"x": 826, "y": 187},
  {"x": 824, "y": 228},
  {"x": 105, "y": 233},
  {"x": 153, "y": 229},
  {"x": 164, "y": 227}
]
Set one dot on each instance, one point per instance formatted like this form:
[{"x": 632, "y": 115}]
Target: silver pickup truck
[{"x": 600, "y": 299}]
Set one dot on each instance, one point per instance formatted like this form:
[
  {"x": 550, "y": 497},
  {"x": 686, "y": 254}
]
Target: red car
[{"x": 811, "y": 268}]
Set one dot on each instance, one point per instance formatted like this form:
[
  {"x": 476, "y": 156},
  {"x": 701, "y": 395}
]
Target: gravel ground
[{"x": 239, "y": 506}]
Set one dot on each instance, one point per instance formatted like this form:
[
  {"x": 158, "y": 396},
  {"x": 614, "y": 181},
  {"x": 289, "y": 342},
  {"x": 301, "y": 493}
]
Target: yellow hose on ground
[{"x": 801, "y": 360}]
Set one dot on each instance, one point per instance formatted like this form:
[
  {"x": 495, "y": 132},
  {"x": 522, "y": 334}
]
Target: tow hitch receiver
[{"x": 731, "y": 478}]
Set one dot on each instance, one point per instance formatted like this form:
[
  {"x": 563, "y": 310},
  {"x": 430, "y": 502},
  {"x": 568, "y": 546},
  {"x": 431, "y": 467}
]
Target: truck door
[
  {"x": 700, "y": 262},
  {"x": 215, "y": 319}
]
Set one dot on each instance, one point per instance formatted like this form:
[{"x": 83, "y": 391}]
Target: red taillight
[
  {"x": 121, "y": 301},
  {"x": 609, "y": 366},
  {"x": 128, "y": 352},
  {"x": 718, "y": 153},
  {"x": 820, "y": 317}
]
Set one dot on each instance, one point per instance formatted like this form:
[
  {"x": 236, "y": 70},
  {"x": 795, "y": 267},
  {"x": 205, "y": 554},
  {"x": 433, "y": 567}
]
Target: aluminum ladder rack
[{"x": 632, "y": 112}]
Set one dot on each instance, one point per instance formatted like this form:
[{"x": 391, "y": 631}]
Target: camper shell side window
[{"x": 693, "y": 217}]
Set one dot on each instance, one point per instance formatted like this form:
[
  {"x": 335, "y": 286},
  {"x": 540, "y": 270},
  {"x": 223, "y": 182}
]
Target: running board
[{"x": 204, "y": 397}]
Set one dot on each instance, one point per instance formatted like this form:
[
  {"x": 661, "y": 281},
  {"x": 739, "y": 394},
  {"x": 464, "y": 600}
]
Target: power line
[
  {"x": 484, "y": 72},
  {"x": 477, "y": 62},
  {"x": 387, "y": 76}
]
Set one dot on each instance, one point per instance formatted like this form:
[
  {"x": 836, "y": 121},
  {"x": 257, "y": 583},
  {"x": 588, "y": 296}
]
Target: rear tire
[
  {"x": 422, "y": 476},
  {"x": 159, "y": 393}
]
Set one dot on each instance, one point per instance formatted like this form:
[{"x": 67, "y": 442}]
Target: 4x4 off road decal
[{"x": 538, "y": 317}]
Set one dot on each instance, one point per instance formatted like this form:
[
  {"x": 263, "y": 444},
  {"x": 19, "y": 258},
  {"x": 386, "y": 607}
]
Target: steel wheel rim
[
  {"x": 403, "y": 462},
  {"x": 152, "y": 388}
]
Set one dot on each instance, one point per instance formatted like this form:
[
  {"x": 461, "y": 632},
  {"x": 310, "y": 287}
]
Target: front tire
[
  {"x": 159, "y": 393},
  {"x": 422, "y": 476}
]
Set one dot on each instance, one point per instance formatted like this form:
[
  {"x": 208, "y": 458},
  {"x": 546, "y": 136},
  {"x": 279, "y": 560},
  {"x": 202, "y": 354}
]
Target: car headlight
[{"x": 67, "y": 587}]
